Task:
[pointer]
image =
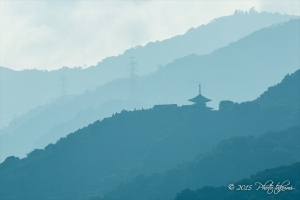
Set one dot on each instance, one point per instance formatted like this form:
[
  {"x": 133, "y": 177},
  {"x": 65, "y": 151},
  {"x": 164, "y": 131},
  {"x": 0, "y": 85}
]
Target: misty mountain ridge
[
  {"x": 251, "y": 64},
  {"x": 202, "y": 40},
  {"x": 94, "y": 160},
  {"x": 206, "y": 109}
]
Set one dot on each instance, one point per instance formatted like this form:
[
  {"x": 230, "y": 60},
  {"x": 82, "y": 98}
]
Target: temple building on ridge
[{"x": 200, "y": 100}]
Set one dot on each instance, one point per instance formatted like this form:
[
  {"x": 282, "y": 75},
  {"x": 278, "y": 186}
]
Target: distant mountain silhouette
[
  {"x": 278, "y": 175},
  {"x": 230, "y": 161},
  {"x": 96, "y": 159},
  {"x": 239, "y": 72},
  {"x": 23, "y": 90}
]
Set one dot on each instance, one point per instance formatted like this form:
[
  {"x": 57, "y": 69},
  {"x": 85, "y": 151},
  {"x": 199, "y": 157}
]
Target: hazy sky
[{"x": 51, "y": 34}]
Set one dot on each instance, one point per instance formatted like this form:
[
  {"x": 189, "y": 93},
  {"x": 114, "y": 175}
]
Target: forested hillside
[
  {"x": 281, "y": 93},
  {"x": 95, "y": 159},
  {"x": 230, "y": 161},
  {"x": 195, "y": 116},
  {"x": 277, "y": 175}
]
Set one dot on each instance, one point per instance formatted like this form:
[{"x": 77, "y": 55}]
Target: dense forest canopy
[
  {"x": 277, "y": 175},
  {"x": 229, "y": 161},
  {"x": 95, "y": 159}
]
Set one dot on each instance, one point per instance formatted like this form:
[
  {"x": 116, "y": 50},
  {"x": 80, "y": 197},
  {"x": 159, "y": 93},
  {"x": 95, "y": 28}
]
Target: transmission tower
[
  {"x": 63, "y": 85},
  {"x": 132, "y": 76}
]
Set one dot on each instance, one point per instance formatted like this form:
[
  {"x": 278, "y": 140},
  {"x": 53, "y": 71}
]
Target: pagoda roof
[{"x": 199, "y": 99}]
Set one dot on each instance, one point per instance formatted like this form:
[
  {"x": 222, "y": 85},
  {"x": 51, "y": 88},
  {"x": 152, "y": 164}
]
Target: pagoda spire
[
  {"x": 199, "y": 88},
  {"x": 200, "y": 99}
]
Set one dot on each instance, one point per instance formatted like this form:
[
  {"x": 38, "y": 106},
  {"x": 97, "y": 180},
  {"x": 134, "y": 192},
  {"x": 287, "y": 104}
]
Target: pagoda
[{"x": 200, "y": 100}]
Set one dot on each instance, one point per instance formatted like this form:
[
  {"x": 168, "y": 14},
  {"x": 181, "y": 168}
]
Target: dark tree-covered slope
[
  {"x": 284, "y": 93},
  {"x": 277, "y": 175},
  {"x": 230, "y": 161},
  {"x": 95, "y": 159}
]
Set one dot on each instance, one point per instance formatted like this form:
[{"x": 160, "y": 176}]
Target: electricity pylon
[{"x": 132, "y": 77}]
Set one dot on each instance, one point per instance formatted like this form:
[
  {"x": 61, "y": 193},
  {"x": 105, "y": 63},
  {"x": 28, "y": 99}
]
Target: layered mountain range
[
  {"x": 92, "y": 161},
  {"x": 251, "y": 64},
  {"x": 207, "y": 109},
  {"x": 25, "y": 90}
]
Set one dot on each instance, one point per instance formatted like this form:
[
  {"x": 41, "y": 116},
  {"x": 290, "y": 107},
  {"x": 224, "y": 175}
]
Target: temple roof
[{"x": 199, "y": 99}]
